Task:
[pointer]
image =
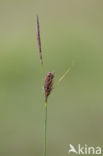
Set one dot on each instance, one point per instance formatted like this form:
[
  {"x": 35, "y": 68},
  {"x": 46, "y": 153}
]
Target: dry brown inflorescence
[{"x": 48, "y": 85}]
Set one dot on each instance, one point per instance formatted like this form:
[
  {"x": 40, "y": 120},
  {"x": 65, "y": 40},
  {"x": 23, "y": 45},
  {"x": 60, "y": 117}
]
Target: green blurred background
[{"x": 71, "y": 31}]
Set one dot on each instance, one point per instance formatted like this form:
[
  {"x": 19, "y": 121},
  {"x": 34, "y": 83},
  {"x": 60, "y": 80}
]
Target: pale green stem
[
  {"x": 62, "y": 77},
  {"x": 42, "y": 70},
  {"x": 45, "y": 130}
]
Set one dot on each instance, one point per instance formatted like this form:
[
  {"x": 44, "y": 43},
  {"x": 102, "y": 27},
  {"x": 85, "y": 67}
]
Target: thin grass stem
[
  {"x": 62, "y": 77},
  {"x": 45, "y": 130}
]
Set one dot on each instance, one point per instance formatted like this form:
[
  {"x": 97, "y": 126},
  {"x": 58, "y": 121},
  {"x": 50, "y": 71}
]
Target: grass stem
[{"x": 45, "y": 129}]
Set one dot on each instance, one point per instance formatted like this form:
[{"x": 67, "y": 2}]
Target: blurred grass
[{"x": 70, "y": 32}]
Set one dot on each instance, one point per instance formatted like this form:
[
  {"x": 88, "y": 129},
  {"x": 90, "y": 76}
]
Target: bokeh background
[{"x": 71, "y": 32}]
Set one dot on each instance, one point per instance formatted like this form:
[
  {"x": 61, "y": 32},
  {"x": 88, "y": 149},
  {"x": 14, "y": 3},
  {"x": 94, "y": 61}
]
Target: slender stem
[
  {"x": 62, "y": 77},
  {"x": 42, "y": 71},
  {"x": 45, "y": 132}
]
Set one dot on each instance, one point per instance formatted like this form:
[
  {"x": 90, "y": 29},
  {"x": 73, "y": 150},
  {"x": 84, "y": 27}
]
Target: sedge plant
[{"x": 48, "y": 83}]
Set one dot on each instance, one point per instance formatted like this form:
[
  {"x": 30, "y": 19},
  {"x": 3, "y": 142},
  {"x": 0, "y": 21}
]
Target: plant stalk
[{"x": 45, "y": 130}]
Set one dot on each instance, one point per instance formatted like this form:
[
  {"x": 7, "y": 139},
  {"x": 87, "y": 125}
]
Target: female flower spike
[{"x": 48, "y": 84}]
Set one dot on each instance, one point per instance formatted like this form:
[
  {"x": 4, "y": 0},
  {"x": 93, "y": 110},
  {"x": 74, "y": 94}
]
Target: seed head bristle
[
  {"x": 48, "y": 84},
  {"x": 38, "y": 38}
]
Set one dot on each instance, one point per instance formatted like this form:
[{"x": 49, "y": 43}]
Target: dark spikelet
[
  {"x": 38, "y": 38},
  {"x": 48, "y": 84}
]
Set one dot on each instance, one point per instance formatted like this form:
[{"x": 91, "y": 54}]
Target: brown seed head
[
  {"x": 48, "y": 84},
  {"x": 38, "y": 38}
]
